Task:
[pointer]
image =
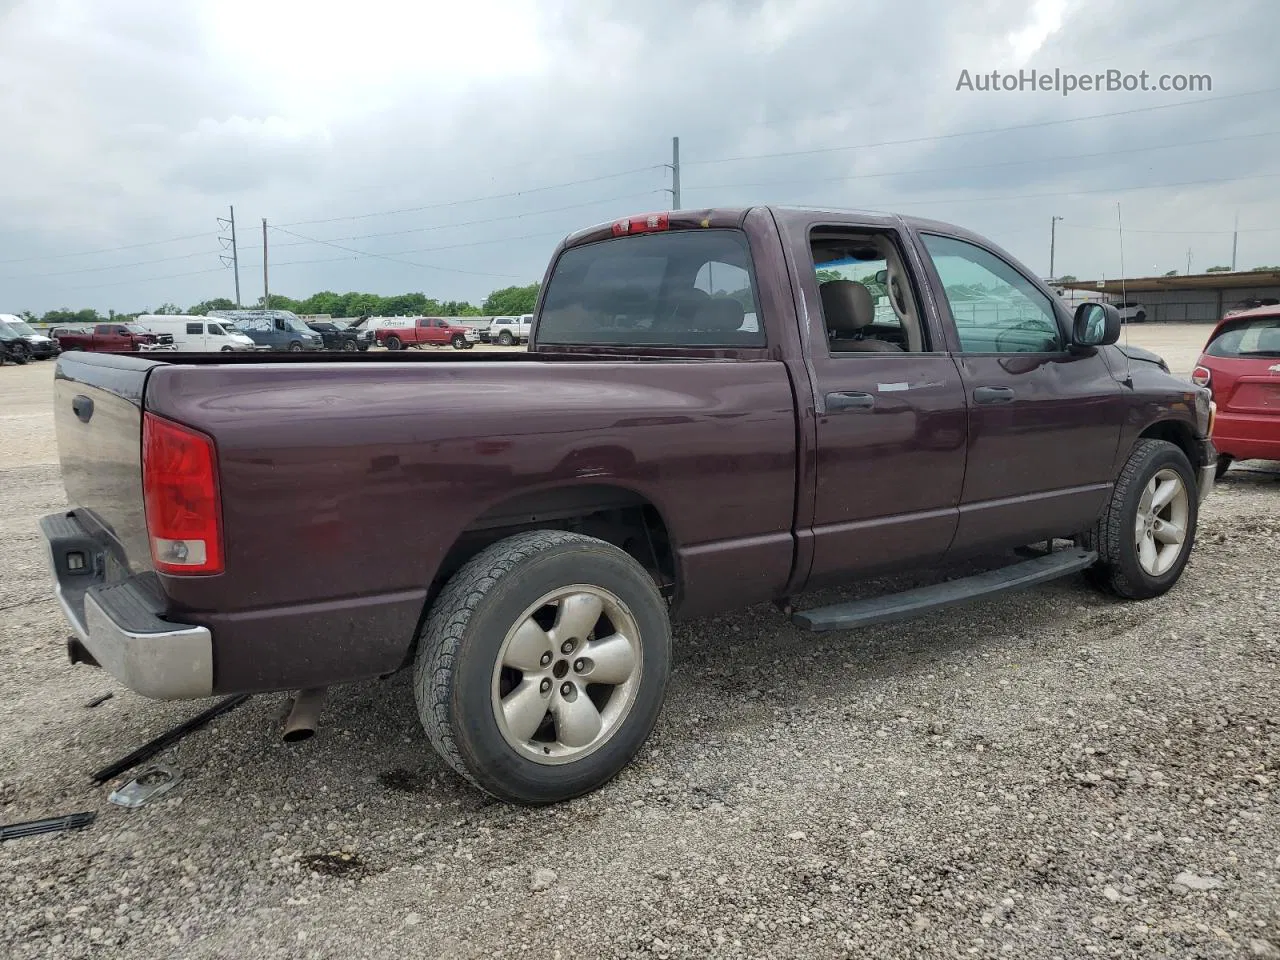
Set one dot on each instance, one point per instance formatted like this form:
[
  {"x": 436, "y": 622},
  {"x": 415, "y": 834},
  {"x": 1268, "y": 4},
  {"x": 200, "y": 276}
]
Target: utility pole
[
  {"x": 1188, "y": 261},
  {"x": 230, "y": 244},
  {"x": 266, "y": 289},
  {"x": 1053, "y": 229},
  {"x": 1235, "y": 233},
  {"x": 675, "y": 173}
]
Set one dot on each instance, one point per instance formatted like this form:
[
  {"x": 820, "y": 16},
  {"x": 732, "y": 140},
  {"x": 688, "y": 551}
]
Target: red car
[
  {"x": 1241, "y": 365},
  {"x": 400, "y": 333},
  {"x": 113, "y": 338}
]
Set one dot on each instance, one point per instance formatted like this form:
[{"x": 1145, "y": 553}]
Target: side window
[
  {"x": 996, "y": 308},
  {"x": 195, "y": 328},
  {"x": 123, "y": 331},
  {"x": 102, "y": 328},
  {"x": 281, "y": 325},
  {"x": 441, "y": 323},
  {"x": 868, "y": 303}
]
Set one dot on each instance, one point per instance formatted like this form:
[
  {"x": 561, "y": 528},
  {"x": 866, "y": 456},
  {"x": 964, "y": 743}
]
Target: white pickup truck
[{"x": 509, "y": 331}]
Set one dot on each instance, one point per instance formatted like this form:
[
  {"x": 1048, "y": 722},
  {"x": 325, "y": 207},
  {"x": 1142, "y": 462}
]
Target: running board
[{"x": 911, "y": 603}]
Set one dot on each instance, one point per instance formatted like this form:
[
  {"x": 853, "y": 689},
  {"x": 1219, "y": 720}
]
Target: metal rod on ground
[
  {"x": 266, "y": 289},
  {"x": 235, "y": 256},
  {"x": 72, "y": 821},
  {"x": 151, "y": 748}
]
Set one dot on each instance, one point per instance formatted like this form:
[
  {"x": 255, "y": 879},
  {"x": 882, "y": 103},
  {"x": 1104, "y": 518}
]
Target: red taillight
[
  {"x": 1200, "y": 376},
  {"x": 180, "y": 491},
  {"x": 650, "y": 223}
]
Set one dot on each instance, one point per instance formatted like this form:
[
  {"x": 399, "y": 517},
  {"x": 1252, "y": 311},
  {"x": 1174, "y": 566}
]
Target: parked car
[
  {"x": 1241, "y": 366},
  {"x": 38, "y": 346},
  {"x": 199, "y": 334},
  {"x": 13, "y": 348},
  {"x": 1250, "y": 303},
  {"x": 1131, "y": 312},
  {"x": 397, "y": 333},
  {"x": 273, "y": 329},
  {"x": 112, "y": 338},
  {"x": 336, "y": 337},
  {"x": 236, "y": 527},
  {"x": 507, "y": 331}
]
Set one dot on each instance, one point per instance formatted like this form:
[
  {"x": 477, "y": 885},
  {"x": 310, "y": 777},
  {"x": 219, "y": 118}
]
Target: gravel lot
[{"x": 1050, "y": 774}]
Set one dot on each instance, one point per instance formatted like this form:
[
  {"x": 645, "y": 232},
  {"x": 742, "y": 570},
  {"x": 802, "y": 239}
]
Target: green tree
[
  {"x": 509, "y": 301},
  {"x": 87, "y": 315},
  {"x": 826, "y": 276},
  {"x": 168, "y": 309},
  {"x": 217, "y": 303},
  {"x": 1218, "y": 269},
  {"x": 1264, "y": 269},
  {"x": 1067, "y": 278}
]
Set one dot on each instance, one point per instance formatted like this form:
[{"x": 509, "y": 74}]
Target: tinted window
[
  {"x": 195, "y": 328},
  {"x": 996, "y": 308},
  {"x": 654, "y": 289},
  {"x": 1253, "y": 337}
]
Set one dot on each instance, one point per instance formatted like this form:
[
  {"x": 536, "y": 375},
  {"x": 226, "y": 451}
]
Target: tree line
[{"x": 508, "y": 301}]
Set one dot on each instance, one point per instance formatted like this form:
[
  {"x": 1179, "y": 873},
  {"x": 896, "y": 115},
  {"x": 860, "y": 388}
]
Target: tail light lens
[
  {"x": 180, "y": 493},
  {"x": 1200, "y": 376},
  {"x": 649, "y": 223}
]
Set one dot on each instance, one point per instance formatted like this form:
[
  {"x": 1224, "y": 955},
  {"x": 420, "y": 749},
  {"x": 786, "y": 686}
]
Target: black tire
[
  {"x": 459, "y": 342},
  {"x": 1141, "y": 317},
  {"x": 1224, "y": 464},
  {"x": 19, "y": 353},
  {"x": 295, "y": 347},
  {"x": 349, "y": 346},
  {"x": 1118, "y": 570},
  {"x": 227, "y": 349},
  {"x": 505, "y": 338},
  {"x": 464, "y": 633},
  {"x": 393, "y": 343}
]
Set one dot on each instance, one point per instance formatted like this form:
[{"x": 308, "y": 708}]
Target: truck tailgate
[{"x": 98, "y": 417}]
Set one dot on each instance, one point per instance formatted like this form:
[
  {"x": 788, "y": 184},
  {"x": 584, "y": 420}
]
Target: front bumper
[
  {"x": 118, "y": 624},
  {"x": 1207, "y": 469}
]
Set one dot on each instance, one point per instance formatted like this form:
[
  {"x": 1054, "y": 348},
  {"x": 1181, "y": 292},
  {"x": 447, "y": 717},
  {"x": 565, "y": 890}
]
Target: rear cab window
[
  {"x": 1247, "y": 337},
  {"x": 684, "y": 288}
]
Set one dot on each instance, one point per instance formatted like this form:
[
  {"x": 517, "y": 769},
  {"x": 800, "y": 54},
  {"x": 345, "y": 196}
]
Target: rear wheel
[
  {"x": 1146, "y": 532},
  {"x": 459, "y": 342},
  {"x": 394, "y": 343},
  {"x": 1224, "y": 464},
  {"x": 505, "y": 338},
  {"x": 543, "y": 665},
  {"x": 1141, "y": 317}
]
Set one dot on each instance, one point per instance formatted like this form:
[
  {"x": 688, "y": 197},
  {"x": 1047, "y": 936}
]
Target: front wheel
[
  {"x": 295, "y": 347},
  {"x": 542, "y": 666},
  {"x": 1146, "y": 532},
  {"x": 349, "y": 346},
  {"x": 228, "y": 349},
  {"x": 1140, "y": 318},
  {"x": 19, "y": 353},
  {"x": 459, "y": 342},
  {"x": 505, "y": 338}
]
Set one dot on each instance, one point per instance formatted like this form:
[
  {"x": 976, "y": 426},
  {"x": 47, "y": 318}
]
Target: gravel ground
[{"x": 1050, "y": 774}]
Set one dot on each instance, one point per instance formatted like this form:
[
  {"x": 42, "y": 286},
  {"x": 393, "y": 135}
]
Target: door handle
[
  {"x": 849, "y": 400},
  {"x": 82, "y": 407},
  {"x": 993, "y": 395}
]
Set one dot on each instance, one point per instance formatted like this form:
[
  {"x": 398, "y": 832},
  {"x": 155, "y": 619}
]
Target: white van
[{"x": 197, "y": 334}]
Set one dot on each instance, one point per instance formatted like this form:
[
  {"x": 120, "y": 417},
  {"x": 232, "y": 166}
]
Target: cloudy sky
[{"x": 446, "y": 147}]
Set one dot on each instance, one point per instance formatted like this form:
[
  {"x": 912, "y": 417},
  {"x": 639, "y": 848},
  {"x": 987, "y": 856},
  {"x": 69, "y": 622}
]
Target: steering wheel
[{"x": 1035, "y": 325}]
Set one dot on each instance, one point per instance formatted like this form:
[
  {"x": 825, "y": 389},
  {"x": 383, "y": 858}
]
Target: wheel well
[
  {"x": 613, "y": 514},
  {"x": 1179, "y": 434}
]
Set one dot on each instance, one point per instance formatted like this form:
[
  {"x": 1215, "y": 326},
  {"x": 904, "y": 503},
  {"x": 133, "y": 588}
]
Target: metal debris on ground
[
  {"x": 72, "y": 821},
  {"x": 99, "y": 700},
  {"x": 146, "y": 786},
  {"x": 150, "y": 749}
]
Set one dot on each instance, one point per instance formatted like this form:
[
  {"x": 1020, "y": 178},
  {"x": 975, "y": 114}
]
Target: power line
[
  {"x": 1196, "y": 233},
  {"x": 170, "y": 276},
  {"x": 983, "y": 166},
  {"x": 116, "y": 266},
  {"x": 472, "y": 223},
  {"x": 90, "y": 253},
  {"x": 392, "y": 259},
  {"x": 975, "y": 133},
  {"x": 496, "y": 196}
]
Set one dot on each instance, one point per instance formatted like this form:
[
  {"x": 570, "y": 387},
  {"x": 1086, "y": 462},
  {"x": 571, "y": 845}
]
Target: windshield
[
  {"x": 6, "y": 331},
  {"x": 681, "y": 288},
  {"x": 134, "y": 328},
  {"x": 1254, "y": 337},
  {"x": 20, "y": 326}
]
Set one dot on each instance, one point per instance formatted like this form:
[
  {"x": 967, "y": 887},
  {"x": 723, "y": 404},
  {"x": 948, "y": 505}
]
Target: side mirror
[
  {"x": 882, "y": 277},
  {"x": 1095, "y": 325}
]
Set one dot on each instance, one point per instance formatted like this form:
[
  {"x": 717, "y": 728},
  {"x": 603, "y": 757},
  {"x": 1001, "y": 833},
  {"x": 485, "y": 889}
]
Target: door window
[{"x": 996, "y": 309}]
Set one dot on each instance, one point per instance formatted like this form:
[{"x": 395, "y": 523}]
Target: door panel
[
  {"x": 891, "y": 423},
  {"x": 1044, "y": 419}
]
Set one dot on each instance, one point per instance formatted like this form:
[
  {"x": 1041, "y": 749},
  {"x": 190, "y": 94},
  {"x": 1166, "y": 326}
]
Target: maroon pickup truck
[
  {"x": 113, "y": 338},
  {"x": 718, "y": 408}
]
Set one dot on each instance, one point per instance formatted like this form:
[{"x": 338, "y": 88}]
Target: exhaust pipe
[{"x": 304, "y": 715}]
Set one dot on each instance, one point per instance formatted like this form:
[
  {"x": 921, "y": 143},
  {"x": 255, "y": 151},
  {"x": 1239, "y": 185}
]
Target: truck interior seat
[{"x": 848, "y": 309}]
